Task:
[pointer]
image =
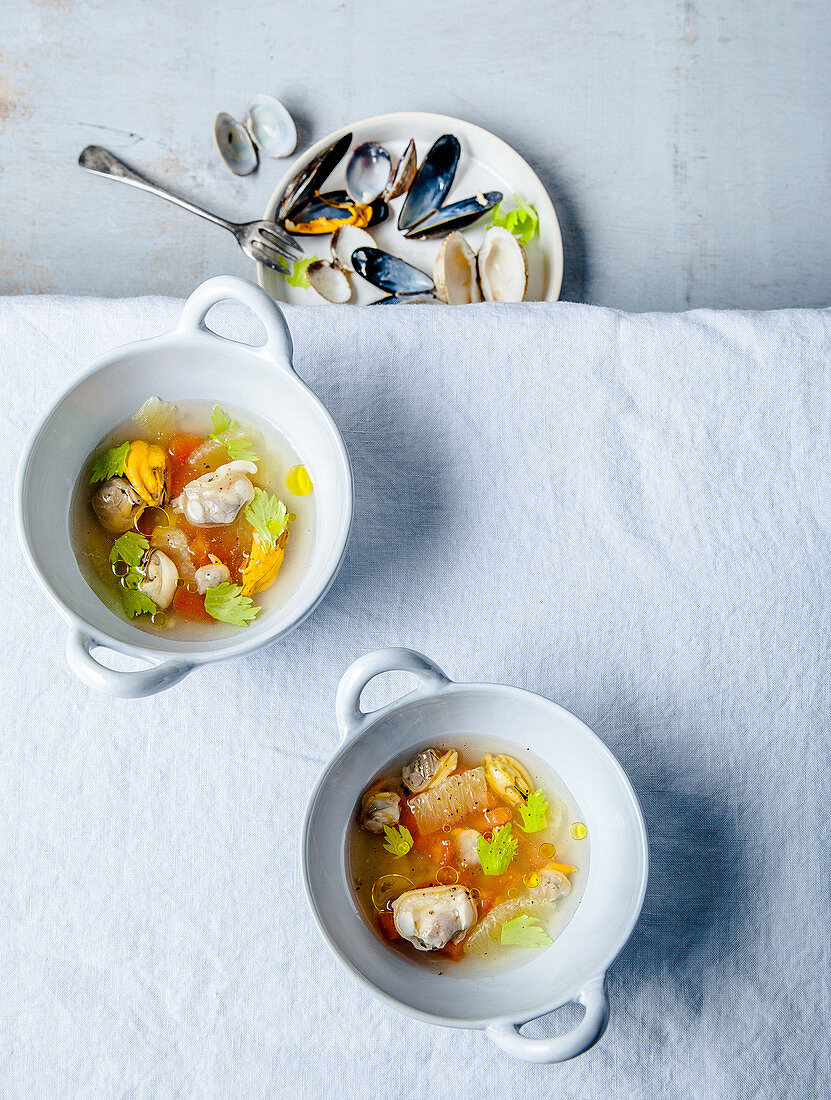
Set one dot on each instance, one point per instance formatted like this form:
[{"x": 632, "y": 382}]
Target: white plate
[{"x": 486, "y": 164}]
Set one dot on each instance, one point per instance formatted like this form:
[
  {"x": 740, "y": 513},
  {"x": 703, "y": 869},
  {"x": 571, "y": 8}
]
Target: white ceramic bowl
[
  {"x": 574, "y": 967},
  {"x": 188, "y": 363}
]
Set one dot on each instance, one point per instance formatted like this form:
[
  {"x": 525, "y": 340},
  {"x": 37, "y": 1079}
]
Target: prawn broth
[
  {"x": 465, "y": 857},
  {"x": 191, "y": 520}
]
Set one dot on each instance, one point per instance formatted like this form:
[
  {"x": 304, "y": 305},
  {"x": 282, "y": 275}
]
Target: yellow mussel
[
  {"x": 508, "y": 778},
  {"x": 145, "y": 468},
  {"x": 263, "y": 565}
]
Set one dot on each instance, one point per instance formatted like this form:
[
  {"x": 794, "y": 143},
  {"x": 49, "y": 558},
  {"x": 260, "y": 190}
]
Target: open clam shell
[
  {"x": 311, "y": 177},
  {"x": 432, "y": 181},
  {"x": 271, "y": 126},
  {"x": 503, "y": 267},
  {"x": 458, "y": 215},
  {"x": 330, "y": 281},
  {"x": 234, "y": 144},
  {"x": 346, "y": 240},
  {"x": 391, "y": 273},
  {"x": 455, "y": 273}
]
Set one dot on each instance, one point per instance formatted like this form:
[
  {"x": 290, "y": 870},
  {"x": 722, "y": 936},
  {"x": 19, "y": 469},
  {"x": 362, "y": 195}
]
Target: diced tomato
[
  {"x": 440, "y": 849},
  {"x": 182, "y": 446},
  {"x": 499, "y": 815},
  {"x": 192, "y": 605},
  {"x": 484, "y": 904},
  {"x": 453, "y": 950},
  {"x": 386, "y": 922}
]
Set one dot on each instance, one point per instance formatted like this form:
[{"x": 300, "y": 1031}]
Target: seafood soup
[
  {"x": 190, "y": 520},
  {"x": 466, "y": 859}
]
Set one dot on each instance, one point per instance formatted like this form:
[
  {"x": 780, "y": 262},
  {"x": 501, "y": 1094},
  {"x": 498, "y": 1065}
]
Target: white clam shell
[
  {"x": 454, "y": 271},
  {"x": 234, "y": 144},
  {"x": 271, "y": 126},
  {"x": 503, "y": 267},
  {"x": 329, "y": 281},
  {"x": 345, "y": 241}
]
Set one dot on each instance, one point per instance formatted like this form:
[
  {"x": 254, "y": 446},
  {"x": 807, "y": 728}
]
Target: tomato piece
[
  {"x": 386, "y": 922},
  {"x": 484, "y": 904},
  {"x": 499, "y": 815},
  {"x": 182, "y": 446},
  {"x": 191, "y": 605},
  {"x": 453, "y": 950}
]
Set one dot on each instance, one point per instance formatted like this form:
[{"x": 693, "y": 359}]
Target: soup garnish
[
  {"x": 185, "y": 525},
  {"x": 462, "y": 857}
]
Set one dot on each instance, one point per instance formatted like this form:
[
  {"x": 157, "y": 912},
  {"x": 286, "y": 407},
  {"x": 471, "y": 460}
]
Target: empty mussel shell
[
  {"x": 329, "y": 281},
  {"x": 432, "y": 181},
  {"x": 234, "y": 144},
  {"x": 271, "y": 126},
  {"x": 404, "y": 173},
  {"x": 457, "y": 215},
  {"x": 390, "y": 273},
  {"x": 346, "y": 240},
  {"x": 311, "y": 177},
  {"x": 368, "y": 172}
]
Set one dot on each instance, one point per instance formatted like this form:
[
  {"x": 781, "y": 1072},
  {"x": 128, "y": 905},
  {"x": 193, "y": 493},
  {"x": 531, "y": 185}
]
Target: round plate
[{"x": 486, "y": 164}]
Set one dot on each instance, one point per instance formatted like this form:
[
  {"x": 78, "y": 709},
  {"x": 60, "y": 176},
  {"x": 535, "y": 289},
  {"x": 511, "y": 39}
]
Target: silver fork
[{"x": 265, "y": 242}]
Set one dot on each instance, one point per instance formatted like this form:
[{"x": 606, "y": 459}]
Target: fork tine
[
  {"x": 269, "y": 256},
  {"x": 280, "y": 239},
  {"x": 255, "y": 242}
]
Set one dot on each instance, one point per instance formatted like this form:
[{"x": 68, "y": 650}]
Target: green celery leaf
[
  {"x": 268, "y": 516},
  {"x": 497, "y": 853},
  {"x": 298, "y": 276},
  {"x": 524, "y": 931},
  {"x": 227, "y": 603},
  {"x": 534, "y": 813},
  {"x": 131, "y": 548},
  {"x": 137, "y": 603},
  {"x": 112, "y": 463}
]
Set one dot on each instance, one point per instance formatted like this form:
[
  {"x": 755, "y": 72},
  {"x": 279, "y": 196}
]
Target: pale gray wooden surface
[{"x": 685, "y": 145}]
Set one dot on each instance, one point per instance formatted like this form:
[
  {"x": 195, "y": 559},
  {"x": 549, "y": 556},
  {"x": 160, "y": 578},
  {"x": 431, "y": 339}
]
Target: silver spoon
[{"x": 263, "y": 241}]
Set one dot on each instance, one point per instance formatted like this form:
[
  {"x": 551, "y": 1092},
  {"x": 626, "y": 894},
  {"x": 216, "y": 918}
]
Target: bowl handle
[
  {"x": 560, "y": 1047},
  {"x": 126, "y": 685},
  {"x": 277, "y": 348},
  {"x": 351, "y": 719}
]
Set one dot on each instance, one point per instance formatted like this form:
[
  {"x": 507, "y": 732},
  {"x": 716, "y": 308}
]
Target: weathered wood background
[{"x": 685, "y": 145}]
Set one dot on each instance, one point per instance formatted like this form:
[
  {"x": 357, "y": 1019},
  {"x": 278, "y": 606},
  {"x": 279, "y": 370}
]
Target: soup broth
[
  {"x": 235, "y": 558},
  {"x": 512, "y": 892}
]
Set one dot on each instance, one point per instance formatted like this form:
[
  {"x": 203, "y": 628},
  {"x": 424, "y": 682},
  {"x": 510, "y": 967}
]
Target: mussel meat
[
  {"x": 432, "y": 182},
  {"x": 507, "y": 777},
  {"x": 458, "y": 215},
  {"x": 428, "y": 768},
  {"x": 325, "y": 213},
  {"x": 431, "y": 916},
  {"x": 380, "y": 808},
  {"x": 390, "y": 273},
  {"x": 117, "y": 505}
]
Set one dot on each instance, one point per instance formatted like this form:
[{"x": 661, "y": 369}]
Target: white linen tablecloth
[{"x": 627, "y": 514}]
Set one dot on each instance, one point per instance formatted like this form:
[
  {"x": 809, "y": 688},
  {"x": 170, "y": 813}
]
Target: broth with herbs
[
  {"x": 467, "y": 856},
  {"x": 189, "y": 519}
]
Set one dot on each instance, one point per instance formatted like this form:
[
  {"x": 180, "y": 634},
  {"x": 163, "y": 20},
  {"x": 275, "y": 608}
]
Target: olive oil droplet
[
  {"x": 298, "y": 482},
  {"x": 578, "y": 831}
]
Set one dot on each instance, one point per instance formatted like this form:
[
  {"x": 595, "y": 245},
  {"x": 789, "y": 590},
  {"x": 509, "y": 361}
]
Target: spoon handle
[{"x": 98, "y": 160}]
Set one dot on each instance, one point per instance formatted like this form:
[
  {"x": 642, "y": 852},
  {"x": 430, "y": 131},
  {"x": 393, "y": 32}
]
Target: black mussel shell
[
  {"x": 406, "y": 299},
  {"x": 390, "y": 273},
  {"x": 432, "y": 182},
  {"x": 311, "y": 178},
  {"x": 457, "y": 215}
]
